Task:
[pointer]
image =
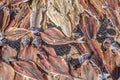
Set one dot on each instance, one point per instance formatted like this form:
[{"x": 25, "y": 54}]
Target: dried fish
[
  {"x": 29, "y": 52},
  {"x": 87, "y": 28},
  {"x": 5, "y": 20},
  {"x": 16, "y": 33},
  {"x": 8, "y": 53},
  {"x": 6, "y": 71},
  {"x": 28, "y": 69},
  {"x": 57, "y": 38},
  {"x": 60, "y": 39},
  {"x": 59, "y": 67},
  {"x": 86, "y": 70},
  {"x": 36, "y": 17},
  {"x": 67, "y": 23},
  {"x": 36, "y": 22}
]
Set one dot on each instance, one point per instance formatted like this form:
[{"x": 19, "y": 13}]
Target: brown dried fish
[
  {"x": 111, "y": 58},
  {"x": 44, "y": 36},
  {"x": 59, "y": 67},
  {"x": 29, "y": 52},
  {"x": 15, "y": 33},
  {"x": 89, "y": 29},
  {"x": 27, "y": 69},
  {"x": 57, "y": 38},
  {"x": 6, "y": 72},
  {"x": 5, "y": 21}
]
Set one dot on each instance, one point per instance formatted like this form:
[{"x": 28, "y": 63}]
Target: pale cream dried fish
[
  {"x": 35, "y": 18},
  {"x": 64, "y": 13},
  {"x": 60, "y": 20},
  {"x": 38, "y": 13}
]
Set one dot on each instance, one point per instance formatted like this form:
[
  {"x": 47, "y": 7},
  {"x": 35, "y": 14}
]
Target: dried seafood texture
[
  {"x": 83, "y": 47},
  {"x": 99, "y": 8},
  {"x": 112, "y": 11},
  {"x": 60, "y": 39},
  {"x": 118, "y": 36},
  {"x": 6, "y": 72},
  {"x": 15, "y": 33},
  {"x": 28, "y": 53},
  {"x": 37, "y": 14},
  {"x": 55, "y": 37},
  {"x": 25, "y": 23},
  {"x": 14, "y": 14},
  {"x": 88, "y": 25},
  {"x": 8, "y": 53},
  {"x": 112, "y": 4},
  {"x": 72, "y": 53},
  {"x": 94, "y": 8},
  {"x": 109, "y": 58},
  {"x": 112, "y": 57},
  {"x": 112, "y": 67},
  {"x": 113, "y": 16},
  {"x": 13, "y": 2},
  {"x": 66, "y": 51},
  {"x": 19, "y": 77},
  {"x": 25, "y": 53},
  {"x": 88, "y": 72},
  {"x": 64, "y": 14},
  {"x": 22, "y": 19},
  {"x": 94, "y": 49},
  {"x": 53, "y": 64},
  {"x": 28, "y": 50},
  {"x": 27, "y": 69},
  {"x": 5, "y": 19},
  {"x": 75, "y": 72},
  {"x": 98, "y": 56}
]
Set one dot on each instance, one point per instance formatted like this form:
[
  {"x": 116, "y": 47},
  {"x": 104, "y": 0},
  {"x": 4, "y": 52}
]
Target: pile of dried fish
[{"x": 59, "y": 39}]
